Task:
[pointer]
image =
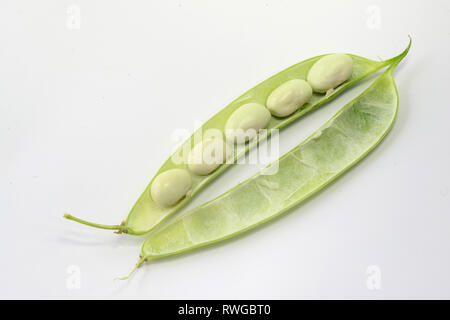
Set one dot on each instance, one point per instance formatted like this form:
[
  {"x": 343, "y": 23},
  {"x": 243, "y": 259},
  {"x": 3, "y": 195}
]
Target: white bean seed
[
  {"x": 288, "y": 97},
  {"x": 206, "y": 156},
  {"x": 330, "y": 71},
  {"x": 170, "y": 186},
  {"x": 244, "y": 123}
]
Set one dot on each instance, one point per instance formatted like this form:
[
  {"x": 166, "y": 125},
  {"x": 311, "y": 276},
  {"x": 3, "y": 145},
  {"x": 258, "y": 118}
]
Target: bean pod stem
[{"x": 120, "y": 228}]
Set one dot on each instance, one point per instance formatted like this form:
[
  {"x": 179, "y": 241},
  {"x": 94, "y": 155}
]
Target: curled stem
[
  {"x": 119, "y": 228},
  {"x": 138, "y": 264}
]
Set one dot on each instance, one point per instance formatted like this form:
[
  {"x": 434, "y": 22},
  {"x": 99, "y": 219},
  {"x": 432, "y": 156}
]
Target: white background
[{"x": 88, "y": 104}]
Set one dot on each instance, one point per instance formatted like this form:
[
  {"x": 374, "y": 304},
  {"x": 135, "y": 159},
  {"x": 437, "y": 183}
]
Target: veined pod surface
[
  {"x": 146, "y": 214},
  {"x": 288, "y": 97},
  {"x": 206, "y": 156},
  {"x": 338, "y": 145},
  {"x": 330, "y": 71},
  {"x": 243, "y": 124},
  {"x": 170, "y": 186}
]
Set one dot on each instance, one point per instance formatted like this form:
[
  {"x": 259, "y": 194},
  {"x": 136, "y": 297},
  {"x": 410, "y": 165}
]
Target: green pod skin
[
  {"x": 338, "y": 145},
  {"x": 146, "y": 214}
]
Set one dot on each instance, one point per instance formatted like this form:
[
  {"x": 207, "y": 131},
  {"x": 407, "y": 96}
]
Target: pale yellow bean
[
  {"x": 288, "y": 97},
  {"x": 246, "y": 121},
  {"x": 330, "y": 71},
  {"x": 170, "y": 187},
  {"x": 206, "y": 156}
]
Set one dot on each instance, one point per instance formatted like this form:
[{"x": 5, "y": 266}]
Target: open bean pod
[
  {"x": 337, "y": 146},
  {"x": 147, "y": 213}
]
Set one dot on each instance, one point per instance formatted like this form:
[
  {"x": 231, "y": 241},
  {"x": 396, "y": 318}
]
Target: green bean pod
[
  {"x": 338, "y": 145},
  {"x": 146, "y": 214}
]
